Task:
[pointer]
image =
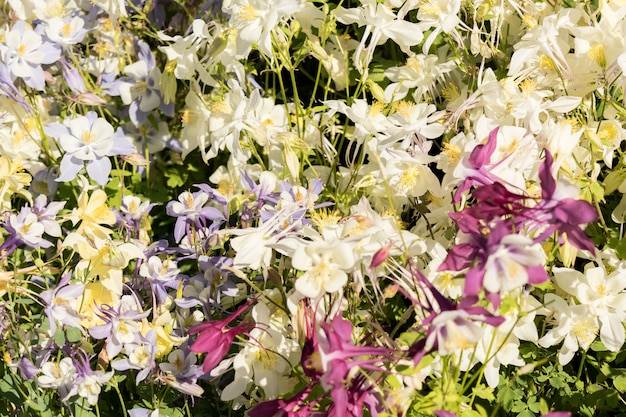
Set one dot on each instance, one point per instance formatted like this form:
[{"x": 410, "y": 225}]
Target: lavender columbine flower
[
  {"x": 66, "y": 31},
  {"x": 140, "y": 88},
  {"x": 62, "y": 303},
  {"x": 189, "y": 210},
  {"x": 182, "y": 365},
  {"x": 161, "y": 275},
  {"x": 8, "y": 89},
  {"x": 121, "y": 326},
  {"x": 24, "y": 52},
  {"x": 130, "y": 214},
  {"x": 46, "y": 214},
  {"x": 26, "y": 229},
  {"x": 88, "y": 383},
  {"x": 89, "y": 139},
  {"x": 58, "y": 375},
  {"x": 44, "y": 182},
  {"x": 140, "y": 356}
]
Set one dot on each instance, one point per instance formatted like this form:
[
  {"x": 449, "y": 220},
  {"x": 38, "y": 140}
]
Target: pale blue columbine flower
[
  {"x": 24, "y": 52},
  {"x": 8, "y": 89},
  {"x": 140, "y": 88},
  {"x": 89, "y": 139},
  {"x": 66, "y": 31}
]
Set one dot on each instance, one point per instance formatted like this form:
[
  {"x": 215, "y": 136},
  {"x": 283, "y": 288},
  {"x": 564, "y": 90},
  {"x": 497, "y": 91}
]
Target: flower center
[
  {"x": 87, "y": 137},
  {"x": 408, "y": 179},
  {"x": 246, "y": 14},
  {"x": 585, "y": 331}
]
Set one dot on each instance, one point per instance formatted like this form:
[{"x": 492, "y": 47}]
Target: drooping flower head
[{"x": 215, "y": 338}]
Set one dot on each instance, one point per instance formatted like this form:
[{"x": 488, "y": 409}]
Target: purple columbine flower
[
  {"x": 24, "y": 52},
  {"x": 501, "y": 234},
  {"x": 338, "y": 355},
  {"x": 448, "y": 325},
  {"x": 498, "y": 259},
  {"x": 475, "y": 169},
  {"x": 562, "y": 213},
  {"x": 88, "y": 139},
  {"x": 287, "y": 407}
]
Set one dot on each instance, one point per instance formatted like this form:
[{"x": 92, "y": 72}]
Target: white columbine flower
[
  {"x": 325, "y": 263},
  {"x": 255, "y": 20},
  {"x": 577, "y": 327},
  {"x": 57, "y": 375},
  {"x": 88, "y": 139},
  {"x": 603, "y": 295}
]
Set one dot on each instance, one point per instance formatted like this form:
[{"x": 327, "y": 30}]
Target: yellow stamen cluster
[
  {"x": 596, "y": 54},
  {"x": 405, "y": 108},
  {"x": 453, "y": 152},
  {"x": 585, "y": 331},
  {"x": 451, "y": 92},
  {"x": 529, "y": 21},
  {"x": 323, "y": 218}
]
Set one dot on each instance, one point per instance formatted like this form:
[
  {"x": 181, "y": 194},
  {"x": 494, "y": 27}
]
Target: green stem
[{"x": 119, "y": 395}]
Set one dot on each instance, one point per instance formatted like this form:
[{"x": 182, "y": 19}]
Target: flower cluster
[{"x": 312, "y": 208}]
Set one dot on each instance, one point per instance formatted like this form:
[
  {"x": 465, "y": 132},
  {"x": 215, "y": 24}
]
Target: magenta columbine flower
[
  {"x": 88, "y": 139},
  {"x": 562, "y": 213},
  {"x": 501, "y": 234},
  {"x": 215, "y": 338}
]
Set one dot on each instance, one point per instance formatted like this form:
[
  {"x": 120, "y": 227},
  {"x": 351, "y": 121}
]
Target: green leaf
[
  {"x": 526, "y": 413},
  {"x": 519, "y": 406},
  {"x": 484, "y": 392},
  {"x": 620, "y": 249},
  {"x": 620, "y": 383},
  {"x": 59, "y": 337},
  {"x": 8, "y": 392},
  {"x": 408, "y": 338},
  {"x": 543, "y": 406},
  {"x": 613, "y": 180},
  {"x": 73, "y": 334},
  {"x": 557, "y": 382},
  {"x": 597, "y": 190},
  {"x": 506, "y": 396},
  {"x": 470, "y": 413}
]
